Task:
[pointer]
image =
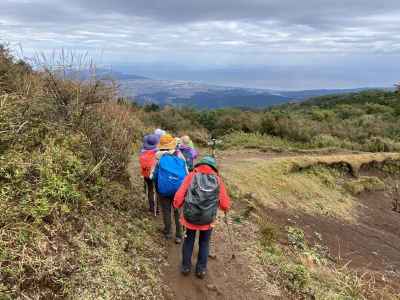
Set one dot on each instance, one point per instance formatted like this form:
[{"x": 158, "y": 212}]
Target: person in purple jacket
[{"x": 189, "y": 152}]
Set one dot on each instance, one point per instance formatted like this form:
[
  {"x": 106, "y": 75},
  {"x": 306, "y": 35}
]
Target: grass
[
  {"x": 320, "y": 143},
  {"x": 240, "y": 140},
  {"x": 71, "y": 221},
  {"x": 316, "y": 185},
  {"x": 62, "y": 238},
  {"x": 313, "y": 184},
  {"x": 306, "y": 272},
  {"x": 364, "y": 183},
  {"x": 117, "y": 259}
]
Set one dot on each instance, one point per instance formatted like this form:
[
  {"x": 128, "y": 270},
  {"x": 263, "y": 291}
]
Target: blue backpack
[{"x": 171, "y": 173}]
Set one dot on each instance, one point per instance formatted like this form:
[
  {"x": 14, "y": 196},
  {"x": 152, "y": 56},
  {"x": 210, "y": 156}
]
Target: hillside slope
[
  {"x": 327, "y": 225},
  {"x": 71, "y": 222}
]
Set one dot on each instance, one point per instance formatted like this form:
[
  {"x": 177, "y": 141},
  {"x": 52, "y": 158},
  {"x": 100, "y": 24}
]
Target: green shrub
[
  {"x": 111, "y": 130},
  {"x": 256, "y": 141},
  {"x": 296, "y": 237},
  {"x": 320, "y": 115},
  {"x": 380, "y": 144},
  {"x": 64, "y": 148},
  {"x": 327, "y": 141},
  {"x": 269, "y": 234},
  {"x": 297, "y": 277}
]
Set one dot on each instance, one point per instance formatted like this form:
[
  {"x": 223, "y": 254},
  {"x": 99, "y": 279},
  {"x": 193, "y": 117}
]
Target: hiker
[
  {"x": 186, "y": 146},
  {"x": 200, "y": 195},
  {"x": 159, "y": 132},
  {"x": 168, "y": 174},
  {"x": 147, "y": 160}
]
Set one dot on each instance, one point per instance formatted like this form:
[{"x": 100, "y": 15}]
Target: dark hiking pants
[
  {"x": 166, "y": 207},
  {"x": 151, "y": 194},
  {"x": 188, "y": 245}
]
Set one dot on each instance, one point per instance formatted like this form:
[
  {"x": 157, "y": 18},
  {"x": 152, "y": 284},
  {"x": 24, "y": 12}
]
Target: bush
[
  {"x": 296, "y": 237},
  {"x": 328, "y": 141},
  {"x": 64, "y": 148},
  {"x": 111, "y": 130},
  {"x": 379, "y": 144},
  {"x": 256, "y": 141},
  {"x": 364, "y": 183},
  {"x": 269, "y": 234},
  {"x": 297, "y": 278}
]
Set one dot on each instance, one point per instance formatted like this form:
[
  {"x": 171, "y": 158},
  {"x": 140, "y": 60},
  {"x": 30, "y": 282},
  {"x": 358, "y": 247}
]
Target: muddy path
[
  {"x": 227, "y": 277},
  {"x": 372, "y": 244}
]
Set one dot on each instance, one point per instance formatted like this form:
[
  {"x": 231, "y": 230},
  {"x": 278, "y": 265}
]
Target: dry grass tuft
[{"x": 313, "y": 184}]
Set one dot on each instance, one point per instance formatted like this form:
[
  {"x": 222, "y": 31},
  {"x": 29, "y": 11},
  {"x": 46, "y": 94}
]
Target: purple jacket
[{"x": 193, "y": 151}]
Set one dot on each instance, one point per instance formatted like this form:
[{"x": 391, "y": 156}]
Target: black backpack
[{"x": 202, "y": 199}]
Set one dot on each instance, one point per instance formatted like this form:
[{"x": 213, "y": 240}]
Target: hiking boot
[
  {"x": 201, "y": 274},
  {"x": 185, "y": 271},
  {"x": 178, "y": 240},
  {"x": 168, "y": 236},
  {"x": 212, "y": 255}
]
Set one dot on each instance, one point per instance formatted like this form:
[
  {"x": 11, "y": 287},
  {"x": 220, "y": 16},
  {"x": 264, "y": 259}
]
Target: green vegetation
[
  {"x": 69, "y": 216},
  {"x": 312, "y": 184},
  {"x": 365, "y": 121},
  {"x": 317, "y": 186},
  {"x": 241, "y": 140},
  {"x": 307, "y": 272},
  {"x": 364, "y": 183}
]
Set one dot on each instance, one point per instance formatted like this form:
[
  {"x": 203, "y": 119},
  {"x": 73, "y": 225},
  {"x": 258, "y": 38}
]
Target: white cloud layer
[{"x": 208, "y": 32}]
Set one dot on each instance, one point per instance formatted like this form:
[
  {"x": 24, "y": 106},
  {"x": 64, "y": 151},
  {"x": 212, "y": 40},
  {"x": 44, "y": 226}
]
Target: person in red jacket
[{"x": 208, "y": 167}]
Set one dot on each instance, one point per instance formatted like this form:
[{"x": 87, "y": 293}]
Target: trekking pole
[
  {"x": 146, "y": 191},
  {"x": 230, "y": 235},
  {"x": 155, "y": 199},
  {"x": 214, "y": 145}
]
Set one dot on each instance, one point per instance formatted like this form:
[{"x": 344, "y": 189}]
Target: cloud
[
  {"x": 310, "y": 12},
  {"x": 206, "y": 32}
]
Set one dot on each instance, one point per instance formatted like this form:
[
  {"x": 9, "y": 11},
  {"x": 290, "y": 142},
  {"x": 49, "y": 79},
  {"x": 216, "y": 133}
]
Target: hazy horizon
[{"x": 260, "y": 77}]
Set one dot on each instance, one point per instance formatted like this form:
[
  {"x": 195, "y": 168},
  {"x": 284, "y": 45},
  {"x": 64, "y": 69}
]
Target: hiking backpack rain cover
[
  {"x": 171, "y": 173},
  {"x": 147, "y": 161},
  {"x": 202, "y": 199}
]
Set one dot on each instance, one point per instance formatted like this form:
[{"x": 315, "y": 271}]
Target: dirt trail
[
  {"x": 236, "y": 279},
  {"x": 227, "y": 278}
]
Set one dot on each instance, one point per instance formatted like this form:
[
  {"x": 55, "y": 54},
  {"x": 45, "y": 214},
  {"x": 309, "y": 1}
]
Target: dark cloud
[
  {"x": 310, "y": 12},
  {"x": 210, "y": 33},
  {"x": 34, "y": 12}
]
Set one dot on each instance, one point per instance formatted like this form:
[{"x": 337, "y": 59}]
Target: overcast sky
[{"x": 261, "y": 43}]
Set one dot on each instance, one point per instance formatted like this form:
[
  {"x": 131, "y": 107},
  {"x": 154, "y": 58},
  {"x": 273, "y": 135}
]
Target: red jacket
[{"x": 224, "y": 201}]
